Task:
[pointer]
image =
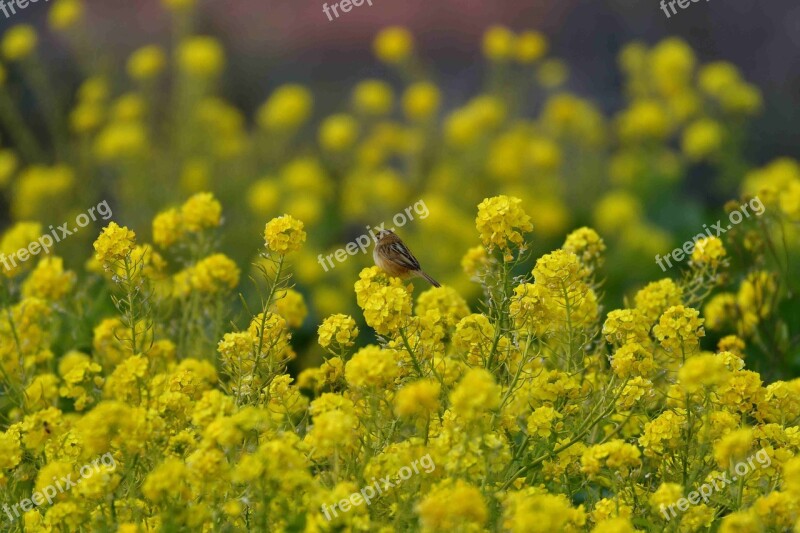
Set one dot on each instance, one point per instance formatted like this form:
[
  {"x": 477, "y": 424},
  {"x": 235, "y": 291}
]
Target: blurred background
[{"x": 273, "y": 41}]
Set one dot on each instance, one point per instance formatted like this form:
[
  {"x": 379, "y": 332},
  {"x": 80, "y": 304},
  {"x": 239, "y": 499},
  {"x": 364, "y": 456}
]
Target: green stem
[{"x": 411, "y": 352}]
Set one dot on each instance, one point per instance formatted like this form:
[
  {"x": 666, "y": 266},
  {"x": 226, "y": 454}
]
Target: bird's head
[{"x": 385, "y": 234}]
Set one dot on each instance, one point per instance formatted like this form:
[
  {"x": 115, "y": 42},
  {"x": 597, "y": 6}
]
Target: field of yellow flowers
[{"x": 185, "y": 359}]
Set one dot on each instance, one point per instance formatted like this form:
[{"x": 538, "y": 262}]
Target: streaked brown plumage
[{"x": 394, "y": 257}]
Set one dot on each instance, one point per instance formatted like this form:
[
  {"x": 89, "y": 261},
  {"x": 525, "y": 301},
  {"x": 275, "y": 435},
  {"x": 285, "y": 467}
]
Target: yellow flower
[
  {"x": 337, "y": 332},
  {"x": 569, "y": 116},
  {"x": 635, "y": 390},
  {"x": 741, "y": 522},
  {"x": 623, "y": 326},
  {"x": 263, "y": 196},
  {"x": 534, "y": 511},
  {"x": 720, "y": 310},
  {"x": 48, "y": 280},
  {"x": 474, "y": 336},
  {"x": 544, "y": 154},
  {"x": 121, "y": 140},
  {"x": 271, "y": 333},
  {"x": 124, "y": 382},
  {"x": 215, "y": 274},
  {"x": 614, "y": 525},
  {"x": 791, "y": 476},
  {"x": 672, "y": 62},
  {"x": 167, "y": 228},
  {"x": 393, "y": 45},
  {"x": 783, "y": 401},
  {"x": 754, "y": 300},
  {"x": 65, "y": 13},
  {"x": 14, "y": 247},
  {"x": 533, "y": 308},
  {"x": 717, "y": 77},
  {"x": 284, "y": 234},
  {"x": 702, "y": 139},
  {"x": 373, "y": 97},
  {"x": 235, "y": 346},
  {"x": 420, "y": 398},
  {"x": 777, "y": 510},
  {"x": 698, "y": 517},
  {"x": 86, "y": 118},
  {"x": 202, "y": 57},
  {"x": 38, "y": 186},
  {"x": 733, "y": 447},
  {"x": 10, "y": 450},
  {"x": 372, "y": 366},
  {"x": 195, "y": 176},
  {"x": 616, "y": 211},
  {"x": 167, "y": 482},
  {"x": 540, "y": 422},
  {"x": 631, "y": 360},
  {"x": 452, "y": 505},
  {"x": 498, "y": 43},
  {"x": 201, "y": 211},
  {"x": 789, "y": 200},
  {"x": 664, "y": 433},
  {"x": 42, "y": 391},
  {"x": 708, "y": 251},
  {"x": 146, "y": 63},
  {"x": 474, "y": 261},
  {"x": 385, "y": 301},
  {"x": 114, "y": 244},
  {"x": 332, "y": 431},
  {"x": 679, "y": 330},
  {"x": 742, "y": 99},
  {"x": 19, "y": 42},
  {"x": 421, "y": 101},
  {"x": 559, "y": 271},
  {"x": 616, "y": 455},
  {"x": 462, "y": 128},
  {"x": 502, "y": 223},
  {"x": 94, "y": 90},
  {"x": 233, "y": 508},
  {"x": 645, "y": 119},
  {"x": 742, "y": 392},
  {"x": 338, "y": 133},
  {"x": 530, "y": 47},
  {"x": 442, "y": 303},
  {"x": 476, "y": 393},
  {"x": 288, "y": 108},
  {"x": 129, "y": 107},
  {"x": 291, "y": 306},
  {"x": 702, "y": 371},
  {"x": 656, "y": 297}
]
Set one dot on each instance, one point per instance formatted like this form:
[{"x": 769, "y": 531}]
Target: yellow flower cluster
[
  {"x": 284, "y": 235},
  {"x": 502, "y": 223},
  {"x": 114, "y": 245},
  {"x": 337, "y": 331},
  {"x": 518, "y": 408},
  {"x": 541, "y": 388},
  {"x": 201, "y": 211}
]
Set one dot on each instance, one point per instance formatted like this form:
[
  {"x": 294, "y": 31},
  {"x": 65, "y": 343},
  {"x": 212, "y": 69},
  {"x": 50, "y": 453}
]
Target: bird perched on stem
[{"x": 394, "y": 257}]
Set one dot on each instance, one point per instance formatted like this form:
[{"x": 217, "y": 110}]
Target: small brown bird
[{"x": 396, "y": 259}]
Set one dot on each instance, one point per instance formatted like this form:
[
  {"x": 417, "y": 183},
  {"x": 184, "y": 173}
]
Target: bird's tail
[{"x": 427, "y": 277}]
